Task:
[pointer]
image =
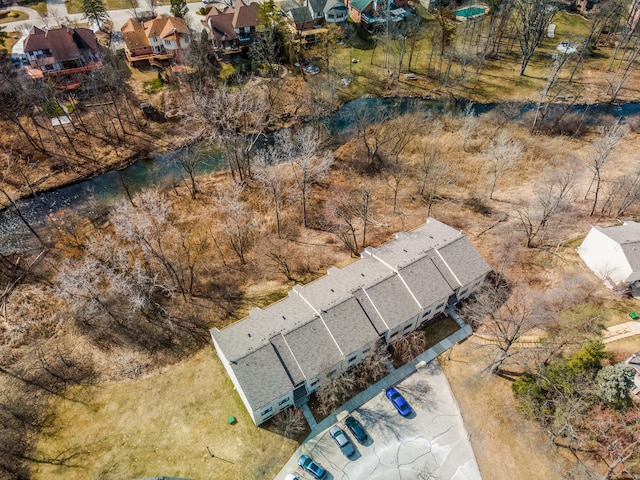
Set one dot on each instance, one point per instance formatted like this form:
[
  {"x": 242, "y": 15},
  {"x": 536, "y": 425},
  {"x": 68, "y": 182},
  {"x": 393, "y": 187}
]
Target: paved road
[{"x": 433, "y": 440}]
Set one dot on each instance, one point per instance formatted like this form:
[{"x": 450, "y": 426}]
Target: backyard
[{"x": 160, "y": 425}]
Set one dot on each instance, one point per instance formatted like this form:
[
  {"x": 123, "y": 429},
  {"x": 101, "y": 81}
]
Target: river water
[{"x": 92, "y": 198}]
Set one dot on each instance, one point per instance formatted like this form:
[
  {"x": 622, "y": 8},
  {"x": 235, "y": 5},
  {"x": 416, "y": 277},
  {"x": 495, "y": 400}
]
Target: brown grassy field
[{"x": 161, "y": 426}]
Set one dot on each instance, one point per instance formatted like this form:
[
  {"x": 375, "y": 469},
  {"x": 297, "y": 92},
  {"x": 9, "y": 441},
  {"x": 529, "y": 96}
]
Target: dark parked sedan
[
  {"x": 355, "y": 427},
  {"x": 398, "y": 401}
]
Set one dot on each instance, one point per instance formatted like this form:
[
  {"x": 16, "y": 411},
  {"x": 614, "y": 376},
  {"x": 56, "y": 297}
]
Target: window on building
[
  {"x": 331, "y": 16},
  {"x": 283, "y": 401},
  {"x": 426, "y": 314},
  {"x": 463, "y": 291},
  {"x": 313, "y": 384},
  {"x": 155, "y": 39},
  {"x": 440, "y": 306},
  {"x": 167, "y": 42},
  {"x": 264, "y": 412},
  {"x": 352, "y": 358},
  {"x": 408, "y": 327},
  {"x": 365, "y": 351},
  {"x": 247, "y": 29},
  {"x": 394, "y": 334}
]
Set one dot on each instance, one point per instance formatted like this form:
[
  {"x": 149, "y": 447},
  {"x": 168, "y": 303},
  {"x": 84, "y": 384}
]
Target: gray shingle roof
[
  {"x": 394, "y": 301},
  {"x": 260, "y": 326},
  {"x": 464, "y": 260},
  {"x": 313, "y": 347},
  {"x": 627, "y": 236},
  {"x": 350, "y": 326},
  {"x": 426, "y": 292},
  {"x": 262, "y": 376},
  {"x": 288, "y": 360}
]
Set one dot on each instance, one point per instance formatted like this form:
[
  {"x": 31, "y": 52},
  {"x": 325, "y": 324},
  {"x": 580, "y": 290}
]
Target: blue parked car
[
  {"x": 398, "y": 401},
  {"x": 306, "y": 462}
]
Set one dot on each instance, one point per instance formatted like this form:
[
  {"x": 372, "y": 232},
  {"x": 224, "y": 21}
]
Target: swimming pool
[{"x": 470, "y": 12}]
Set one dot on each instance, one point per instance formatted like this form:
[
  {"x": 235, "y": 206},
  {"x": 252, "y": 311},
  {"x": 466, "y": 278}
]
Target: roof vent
[
  {"x": 283, "y": 317},
  {"x": 362, "y": 274},
  {"x": 333, "y": 290},
  {"x": 248, "y": 334}
]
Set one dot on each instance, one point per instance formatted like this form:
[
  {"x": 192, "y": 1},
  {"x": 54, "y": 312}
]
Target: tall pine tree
[{"x": 95, "y": 11}]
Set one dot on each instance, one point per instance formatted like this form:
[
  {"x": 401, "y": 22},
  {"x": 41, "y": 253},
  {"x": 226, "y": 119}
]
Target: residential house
[
  {"x": 64, "y": 54},
  {"x": 155, "y": 41},
  {"x": 372, "y": 12},
  {"x": 307, "y": 14},
  {"x": 613, "y": 254},
  {"x": 279, "y": 355},
  {"x": 233, "y": 27}
]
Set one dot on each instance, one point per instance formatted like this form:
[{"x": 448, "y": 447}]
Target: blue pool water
[{"x": 470, "y": 12}]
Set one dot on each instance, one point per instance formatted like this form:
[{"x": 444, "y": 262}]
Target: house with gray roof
[
  {"x": 307, "y": 14},
  {"x": 277, "y": 356},
  {"x": 613, "y": 254}
]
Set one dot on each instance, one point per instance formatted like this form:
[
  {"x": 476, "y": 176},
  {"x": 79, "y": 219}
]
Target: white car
[{"x": 291, "y": 476}]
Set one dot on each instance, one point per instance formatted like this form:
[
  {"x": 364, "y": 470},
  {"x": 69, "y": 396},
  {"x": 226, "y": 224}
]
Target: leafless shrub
[
  {"x": 335, "y": 392},
  {"x": 409, "y": 346},
  {"x": 289, "y": 423},
  {"x": 372, "y": 369}
]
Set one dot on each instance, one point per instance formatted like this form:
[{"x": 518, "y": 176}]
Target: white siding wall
[{"x": 604, "y": 257}]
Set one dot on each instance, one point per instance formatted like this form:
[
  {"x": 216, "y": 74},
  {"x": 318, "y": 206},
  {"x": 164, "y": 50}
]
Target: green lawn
[{"x": 161, "y": 426}]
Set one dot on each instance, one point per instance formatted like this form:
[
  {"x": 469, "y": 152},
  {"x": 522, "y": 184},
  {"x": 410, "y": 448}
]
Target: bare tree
[
  {"x": 372, "y": 368},
  {"x": 290, "y": 422},
  {"x": 270, "y": 172},
  {"x": 469, "y": 124},
  {"x": 238, "y": 225},
  {"x": 621, "y": 195},
  {"x": 310, "y": 163},
  {"x": 434, "y": 171},
  {"x": 602, "y": 149},
  {"x": 409, "y": 346},
  {"x": 533, "y": 17},
  {"x": 334, "y": 392},
  {"x": 502, "y": 316},
  {"x": 553, "y": 198},
  {"x": 502, "y": 152}
]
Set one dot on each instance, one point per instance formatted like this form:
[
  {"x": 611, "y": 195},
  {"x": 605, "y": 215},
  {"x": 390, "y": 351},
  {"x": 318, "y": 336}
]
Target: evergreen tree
[
  {"x": 3, "y": 36},
  {"x": 179, "y": 8},
  {"x": 95, "y": 11}
]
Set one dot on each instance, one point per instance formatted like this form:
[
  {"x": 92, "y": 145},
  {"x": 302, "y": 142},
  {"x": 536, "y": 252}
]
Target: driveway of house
[{"x": 431, "y": 443}]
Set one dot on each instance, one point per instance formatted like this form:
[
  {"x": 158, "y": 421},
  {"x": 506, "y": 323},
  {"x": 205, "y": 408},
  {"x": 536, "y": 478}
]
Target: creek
[{"x": 93, "y": 197}]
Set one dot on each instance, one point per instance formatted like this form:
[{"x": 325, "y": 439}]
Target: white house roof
[{"x": 317, "y": 325}]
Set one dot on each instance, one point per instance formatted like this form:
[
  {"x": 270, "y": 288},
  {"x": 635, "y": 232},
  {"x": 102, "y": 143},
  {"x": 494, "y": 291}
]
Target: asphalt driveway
[{"x": 429, "y": 444}]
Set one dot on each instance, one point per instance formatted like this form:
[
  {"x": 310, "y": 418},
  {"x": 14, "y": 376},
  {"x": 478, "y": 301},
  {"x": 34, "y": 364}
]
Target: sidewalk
[{"x": 623, "y": 330}]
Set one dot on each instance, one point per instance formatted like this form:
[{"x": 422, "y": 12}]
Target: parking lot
[{"x": 431, "y": 443}]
